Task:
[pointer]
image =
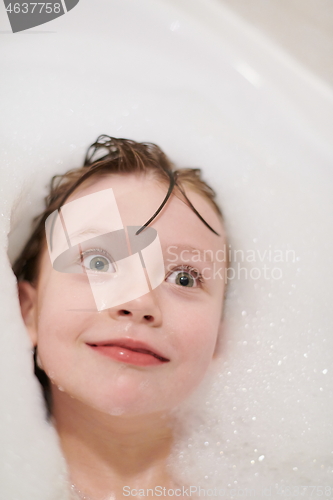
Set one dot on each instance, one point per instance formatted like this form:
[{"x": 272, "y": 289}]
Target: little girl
[{"x": 123, "y": 305}]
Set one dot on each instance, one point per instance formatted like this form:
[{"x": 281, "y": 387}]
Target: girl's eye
[
  {"x": 185, "y": 276},
  {"x": 96, "y": 262}
]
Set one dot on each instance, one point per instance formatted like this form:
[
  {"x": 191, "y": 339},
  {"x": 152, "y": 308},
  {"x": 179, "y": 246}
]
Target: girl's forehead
[
  {"x": 120, "y": 183},
  {"x": 136, "y": 199}
]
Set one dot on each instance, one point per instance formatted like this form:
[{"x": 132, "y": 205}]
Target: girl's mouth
[{"x": 129, "y": 351}]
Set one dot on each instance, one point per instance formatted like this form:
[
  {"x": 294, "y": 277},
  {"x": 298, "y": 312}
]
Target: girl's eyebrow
[{"x": 89, "y": 231}]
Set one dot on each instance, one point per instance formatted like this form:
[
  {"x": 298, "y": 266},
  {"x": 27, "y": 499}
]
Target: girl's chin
[
  {"x": 119, "y": 406},
  {"x": 129, "y": 399},
  {"x": 131, "y": 408}
]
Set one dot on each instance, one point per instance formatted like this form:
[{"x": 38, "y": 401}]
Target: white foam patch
[{"x": 266, "y": 419}]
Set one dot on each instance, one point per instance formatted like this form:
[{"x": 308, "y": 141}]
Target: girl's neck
[{"x": 106, "y": 453}]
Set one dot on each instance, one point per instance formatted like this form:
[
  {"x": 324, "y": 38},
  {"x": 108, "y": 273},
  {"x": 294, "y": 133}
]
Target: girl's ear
[{"x": 28, "y": 303}]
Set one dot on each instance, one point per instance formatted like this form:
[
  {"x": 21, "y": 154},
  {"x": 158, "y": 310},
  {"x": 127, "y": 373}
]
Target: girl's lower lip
[{"x": 127, "y": 355}]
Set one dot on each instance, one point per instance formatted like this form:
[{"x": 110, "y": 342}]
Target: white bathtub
[{"x": 213, "y": 93}]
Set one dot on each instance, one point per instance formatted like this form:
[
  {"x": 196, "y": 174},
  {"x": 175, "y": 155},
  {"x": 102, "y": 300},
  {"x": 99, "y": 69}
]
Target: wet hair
[{"x": 109, "y": 155}]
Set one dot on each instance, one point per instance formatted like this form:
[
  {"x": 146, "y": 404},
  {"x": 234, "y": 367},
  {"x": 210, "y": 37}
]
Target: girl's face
[{"x": 180, "y": 319}]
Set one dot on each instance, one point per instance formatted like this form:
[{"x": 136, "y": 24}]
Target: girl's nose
[{"x": 144, "y": 309}]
